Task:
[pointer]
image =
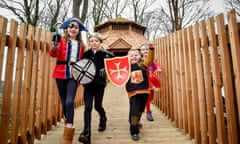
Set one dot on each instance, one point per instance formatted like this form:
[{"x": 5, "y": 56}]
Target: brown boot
[{"x": 68, "y": 135}]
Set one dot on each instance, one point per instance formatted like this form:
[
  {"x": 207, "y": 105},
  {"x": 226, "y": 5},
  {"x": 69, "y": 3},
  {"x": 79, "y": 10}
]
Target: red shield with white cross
[{"x": 118, "y": 70}]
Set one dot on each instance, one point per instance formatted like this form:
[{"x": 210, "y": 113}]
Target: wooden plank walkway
[{"x": 160, "y": 131}]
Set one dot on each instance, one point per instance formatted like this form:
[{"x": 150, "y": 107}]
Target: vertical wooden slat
[
  {"x": 235, "y": 45},
  {"x": 163, "y": 54},
  {"x": 167, "y": 77},
  {"x": 39, "y": 109},
  {"x": 176, "y": 81},
  {"x": 201, "y": 94},
  {"x": 173, "y": 78},
  {"x": 196, "y": 117},
  {"x": 227, "y": 81},
  {"x": 158, "y": 57},
  {"x": 45, "y": 84},
  {"x": 221, "y": 134},
  {"x": 157, "y": 95},
  {"x": 208, "y": 84},
  {"x": 34, "y": 86},
  {"x": 49, "y": 80},
  {"x": 50, "y": 88},
  {"x": 7, "y": 90},
  {"x": 53, "y": 91},
  {"x": 188, "y": 86},
  {"x": 179, "y": 89},
  {"x": 3, "y": 29},
  {"x": 18, "y": 84},
  {"x": 183, "y": 83},
  {"x": 162, "y": 95},
  {"x": 26, "y": 87}
]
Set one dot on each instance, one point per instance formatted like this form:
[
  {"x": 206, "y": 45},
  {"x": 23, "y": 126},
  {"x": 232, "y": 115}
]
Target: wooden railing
[
  {"x": 200, "y": 82},
  {"x": 198, "y": 62},
  {"x": 29, "y": 102}
]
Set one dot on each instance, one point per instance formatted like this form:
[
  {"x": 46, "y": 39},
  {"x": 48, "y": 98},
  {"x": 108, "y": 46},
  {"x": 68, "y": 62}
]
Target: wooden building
[{"x": 121, "y": 35}]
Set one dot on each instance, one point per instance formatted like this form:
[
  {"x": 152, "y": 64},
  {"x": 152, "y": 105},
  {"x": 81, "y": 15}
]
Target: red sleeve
[{"x": 156, "y": 66}]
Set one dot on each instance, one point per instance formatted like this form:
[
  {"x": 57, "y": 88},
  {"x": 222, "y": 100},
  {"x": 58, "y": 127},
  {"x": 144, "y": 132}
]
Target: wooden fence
[
  {"x": 29, "y": 102},
  {"x": 200, "y": 81}
]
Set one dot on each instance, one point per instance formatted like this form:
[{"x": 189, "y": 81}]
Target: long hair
[{"x": 78, "y": 38}]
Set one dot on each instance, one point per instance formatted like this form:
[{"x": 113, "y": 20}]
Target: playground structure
[{"x": 197, "y": 63}]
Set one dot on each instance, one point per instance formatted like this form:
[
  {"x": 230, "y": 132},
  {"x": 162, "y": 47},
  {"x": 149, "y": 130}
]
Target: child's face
[
  {"x": 144, "y": 50},
  {"x": 94, "y": 43},
  {"x": 73, "y": 30},
  {"x": 134, "y": 56}
]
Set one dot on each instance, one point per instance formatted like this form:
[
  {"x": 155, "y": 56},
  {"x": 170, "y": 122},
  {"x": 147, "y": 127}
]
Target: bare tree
[
  {"x": 53, "y": 11},
  {"x": 97, "y": 11},
  {"x": 77, "y": 4},
  {"x": 26, "y": 11},
  {"x": 177, "y": 14},
  {"x": 107, "y": 9},
  {"x": 233, "y": 4},
  {"x": 35, "y": 12},
  {"x": 139, "y": 9}
]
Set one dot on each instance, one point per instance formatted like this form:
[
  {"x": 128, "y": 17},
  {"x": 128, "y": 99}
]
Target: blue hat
[{"x": 67, "y": 22}]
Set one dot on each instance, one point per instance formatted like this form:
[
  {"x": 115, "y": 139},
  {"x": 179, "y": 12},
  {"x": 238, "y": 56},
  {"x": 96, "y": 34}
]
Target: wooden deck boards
[{"x": 160, "y": 131}]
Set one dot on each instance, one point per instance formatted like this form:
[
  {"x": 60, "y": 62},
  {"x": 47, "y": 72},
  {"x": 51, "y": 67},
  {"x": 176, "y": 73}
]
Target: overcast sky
[{"x": 216, "y": 5}]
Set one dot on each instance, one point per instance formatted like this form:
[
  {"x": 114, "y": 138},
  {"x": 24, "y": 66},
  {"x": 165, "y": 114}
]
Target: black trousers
[
  {"x": 137, "y": 106},
  {"x": 67, "y": 90},
  {"x": 95, "y": 92}
]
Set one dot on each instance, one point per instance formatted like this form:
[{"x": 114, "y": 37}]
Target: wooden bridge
[
  {"x": 160, "y": 131},
  {"x": 198, "y": 63}
]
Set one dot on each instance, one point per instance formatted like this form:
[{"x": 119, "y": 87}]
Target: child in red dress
[{"x": 154, "y": 82}]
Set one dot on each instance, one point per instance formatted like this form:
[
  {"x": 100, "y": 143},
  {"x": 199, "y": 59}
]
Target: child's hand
[{"x": 150, "y": 44}]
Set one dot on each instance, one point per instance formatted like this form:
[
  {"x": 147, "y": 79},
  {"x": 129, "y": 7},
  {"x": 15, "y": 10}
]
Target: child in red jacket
[{"x": 67, "y": 49}]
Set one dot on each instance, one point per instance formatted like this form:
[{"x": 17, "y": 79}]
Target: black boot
[
  {"x": 85, "y": 138},
  {"x": 149, "y": 116},
  {"x": 102, "y": 124}
]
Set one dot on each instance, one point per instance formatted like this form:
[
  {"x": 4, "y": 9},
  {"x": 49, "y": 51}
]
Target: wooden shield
[{"x": 118, "y": 70}]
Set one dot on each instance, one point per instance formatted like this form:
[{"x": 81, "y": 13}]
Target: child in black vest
[{"x": 138, "y": 87}]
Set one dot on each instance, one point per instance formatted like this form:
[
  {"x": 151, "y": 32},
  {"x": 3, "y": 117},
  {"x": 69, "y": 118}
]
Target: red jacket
[
  {"x": 63, "y": 53},
  {"x": 154, "y": 82}
]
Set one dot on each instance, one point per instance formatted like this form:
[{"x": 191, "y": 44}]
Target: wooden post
[
  {"x": 235, "y": 45},
  {"x": 188, "y": 86},
  {"x": 39, "y": 108},
  {"x": 221, "y": 132},
  {"x": 7, "y": 91},
  {"x": 173, "y": 79},
  {"x": 179, "y": 89},
  {"x": 3, "y": 29},
  {"x": 26, "y": 88},
  {"x": 196, "y": 117},
  {"x": 33, "y": 92},
  {"x": 208, "y": 84},
  {"x": 227, "y": 81},
  {"x": 18, "y": 84},
  {"x": 176, "y": 79},
  {"x": 44, "y": 104}
]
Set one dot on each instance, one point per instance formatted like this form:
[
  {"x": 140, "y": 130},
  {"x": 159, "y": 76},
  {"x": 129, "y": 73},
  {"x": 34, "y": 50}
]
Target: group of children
[{"x": 69, "y": 49}]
